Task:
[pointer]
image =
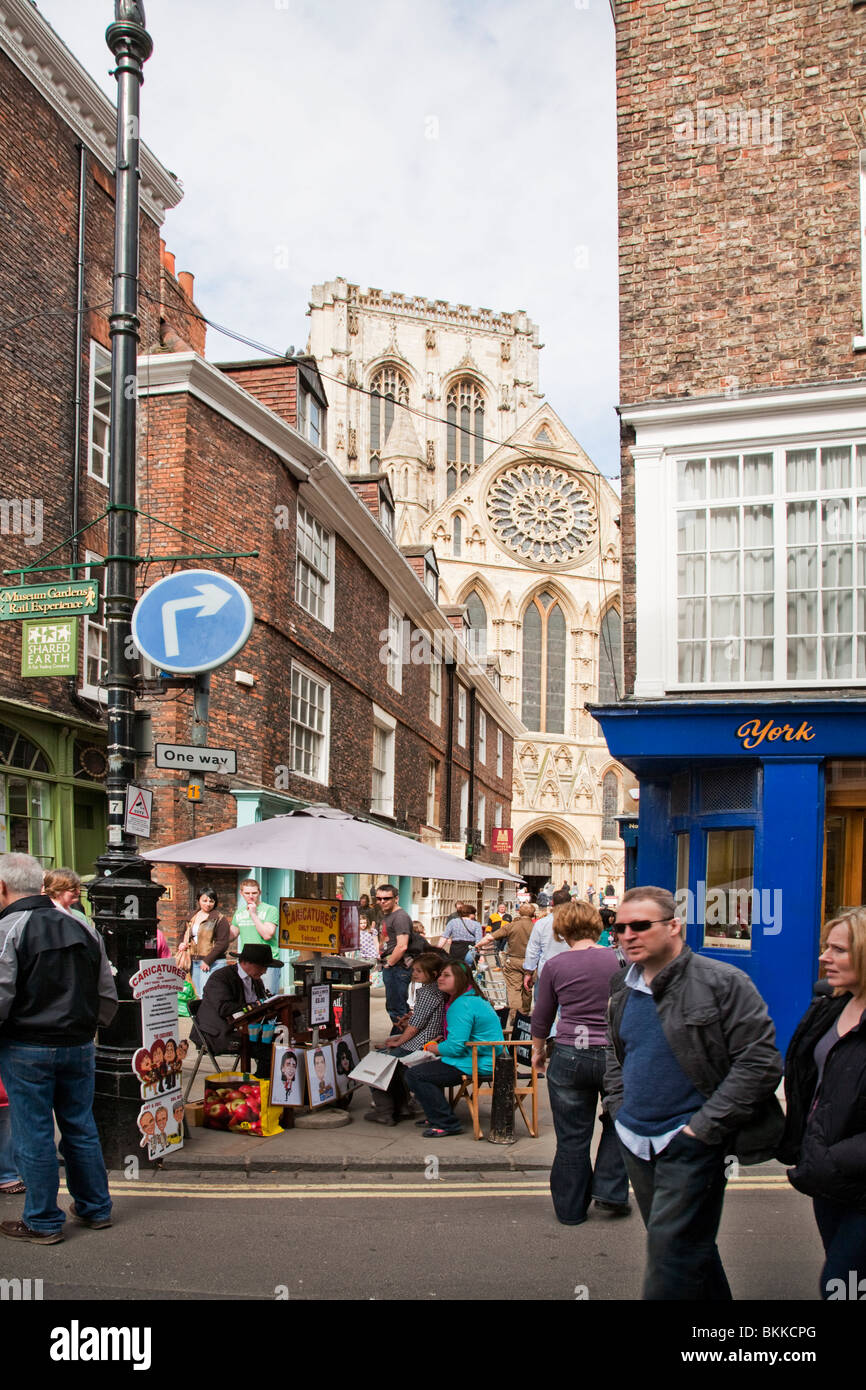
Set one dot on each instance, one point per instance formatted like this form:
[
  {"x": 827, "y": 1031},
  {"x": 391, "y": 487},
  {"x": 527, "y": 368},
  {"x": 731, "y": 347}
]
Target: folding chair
[
  {"x": 203, "y": 1047},
  {"x": 473, "y": 1087}
]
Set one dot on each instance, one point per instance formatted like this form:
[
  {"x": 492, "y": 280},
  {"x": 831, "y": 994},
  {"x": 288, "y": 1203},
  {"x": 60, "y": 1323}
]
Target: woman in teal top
[{"x": 468, "y": 1018}]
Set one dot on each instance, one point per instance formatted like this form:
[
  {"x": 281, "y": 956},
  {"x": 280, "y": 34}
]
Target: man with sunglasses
[
  {"x": 396, "y": 969},
  {"x": 690, "y": 1082}
]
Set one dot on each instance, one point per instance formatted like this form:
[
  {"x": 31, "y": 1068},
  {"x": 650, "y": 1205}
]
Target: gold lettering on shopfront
[{"x": 753, "y": 732}]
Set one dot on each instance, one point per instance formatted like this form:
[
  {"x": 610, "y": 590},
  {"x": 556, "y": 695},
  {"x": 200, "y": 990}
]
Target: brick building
[
  {"x": 323, "y": 703},
  {"x": 742, "y": 150}
]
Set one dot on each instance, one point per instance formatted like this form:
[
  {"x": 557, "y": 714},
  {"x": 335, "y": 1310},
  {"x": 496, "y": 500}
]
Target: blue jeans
[
  {"x": 8, "y": 1166},
  {"x": 843, "y": 1235},
  {"x": 575, "y": 1078},
  {"x": 427, "y": 1083},
  {"x": 200, "y": 977},
  {"x": 44, "y": 1082},
  {"x": 397, "y": 981},
  {"x": 680, "y": 1194}
]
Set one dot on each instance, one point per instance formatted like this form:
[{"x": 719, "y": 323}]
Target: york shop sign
[{"x": 754, "y": 732}]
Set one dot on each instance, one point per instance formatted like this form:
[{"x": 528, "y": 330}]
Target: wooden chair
[{"x": 474, "y": 1086}]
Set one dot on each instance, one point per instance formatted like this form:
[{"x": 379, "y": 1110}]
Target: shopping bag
[
  {"x": 183, "y": 999},
  {"x": 236, "y": 1101},
  {"x": 376, "y": 1070}
]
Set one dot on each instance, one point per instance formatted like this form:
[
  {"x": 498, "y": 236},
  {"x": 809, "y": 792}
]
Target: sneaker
[
  {"x": 16, "y": 1230},
  {"x": 93, "y": 1223},
  {"x": 435, "y": 1133}
]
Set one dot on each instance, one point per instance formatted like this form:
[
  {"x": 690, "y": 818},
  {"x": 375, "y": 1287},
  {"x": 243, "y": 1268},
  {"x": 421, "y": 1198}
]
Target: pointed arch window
[
  {"x": 543, "y": 680},
  {"x": 476, "y": 639},
  {"x": 457, "y": 536},
  {"x": 465, "y": 432},
  {"x": 388, "y": 389},
  {"x": 609, "y": 806},
  {"x": 610, "y": 681}
]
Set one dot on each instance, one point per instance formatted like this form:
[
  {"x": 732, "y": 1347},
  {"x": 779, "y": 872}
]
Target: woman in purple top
[{"x": 577, "y": 982}]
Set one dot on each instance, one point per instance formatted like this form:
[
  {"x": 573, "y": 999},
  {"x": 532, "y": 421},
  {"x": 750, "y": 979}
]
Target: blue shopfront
[{"x": 755, "y": 813}]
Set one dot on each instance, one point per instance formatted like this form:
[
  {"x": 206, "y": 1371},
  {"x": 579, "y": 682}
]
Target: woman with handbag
[
  {"x": 205, "y": 941},
  {"x": 825, "y": 1090}
]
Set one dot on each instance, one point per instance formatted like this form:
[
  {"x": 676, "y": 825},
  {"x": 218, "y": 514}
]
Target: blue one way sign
[{"x": 192, "y": 621}]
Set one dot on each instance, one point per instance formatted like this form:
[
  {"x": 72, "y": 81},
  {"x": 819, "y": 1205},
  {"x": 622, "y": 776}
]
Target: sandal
[{"x": 12, "y": 1189}]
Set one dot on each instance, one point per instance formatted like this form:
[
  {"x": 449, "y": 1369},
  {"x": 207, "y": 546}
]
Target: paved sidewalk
[{"x": 361, "y": 1146}]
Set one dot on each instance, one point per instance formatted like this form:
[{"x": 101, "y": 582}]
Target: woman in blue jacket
[{"x": 468, "y": 1018}]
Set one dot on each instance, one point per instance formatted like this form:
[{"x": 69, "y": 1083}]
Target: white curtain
[
  {"x": 691, "y": 479},
  {"x": 725, "y": 477},
  {"x": 691, "y": 531},
  {"x": 757, "y": 474},
  {"x": 836, "y": 466},
  {"x": 800, "y": 470}
]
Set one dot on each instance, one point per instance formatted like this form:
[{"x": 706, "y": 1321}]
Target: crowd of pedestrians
[{"x": 677, "y": 1047}]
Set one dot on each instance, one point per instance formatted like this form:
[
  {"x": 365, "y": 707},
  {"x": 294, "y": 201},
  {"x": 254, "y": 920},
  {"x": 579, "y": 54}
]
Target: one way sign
[{"x": 139, "y": 804}]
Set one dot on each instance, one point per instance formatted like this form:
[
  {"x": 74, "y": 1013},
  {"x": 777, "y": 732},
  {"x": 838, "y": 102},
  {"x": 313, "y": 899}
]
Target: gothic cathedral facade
[{"x": 444, "y": 400}]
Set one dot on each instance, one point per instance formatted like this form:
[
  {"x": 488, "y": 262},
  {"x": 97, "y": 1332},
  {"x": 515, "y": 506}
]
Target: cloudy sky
[{"x": 458, "y": 149}]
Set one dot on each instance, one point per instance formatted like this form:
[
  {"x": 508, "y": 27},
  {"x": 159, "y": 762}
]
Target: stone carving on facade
[
  {"x": 542, "y": 514},
  {"x": 504, "y": 396},
  {"x": 340, "y": 442},
  {"x": 430, "y": 339},
  {"x": 505, "y": 351},
  {"x": 431, "y": 456},
  {"x": 353, "y": 372},
  {"x": 353, "y": 324},
  {"x": 352, "y": 445}
]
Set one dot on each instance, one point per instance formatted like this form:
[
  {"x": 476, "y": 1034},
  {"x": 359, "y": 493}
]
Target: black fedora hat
[{"x": 260, "y": 955}]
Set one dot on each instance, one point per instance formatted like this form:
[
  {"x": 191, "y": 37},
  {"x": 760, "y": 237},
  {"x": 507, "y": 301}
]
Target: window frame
[
  {"x": 779, "y": 498},
  {"x": 482, "y": 737},
  {"x": 324, "y": 735},
  {"x": 92, "y": 624},
  {"x": 326, "y": 618},
  {"x": 432, "y": 800},
  {"x": 386, "y": 725},
  {"x": 434, "y": 707},
  {"x": 394, "y": 665},
  {"x": 98, "y": 368},
  {"x": 462, "y": 703},
  {"x": 500, "y": 753}
]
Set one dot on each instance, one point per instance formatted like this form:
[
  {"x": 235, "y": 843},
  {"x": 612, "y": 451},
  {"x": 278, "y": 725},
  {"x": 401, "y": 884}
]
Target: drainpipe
[
  {"x": 449, "y": 752},
  {"x": 75, "y": 550}
]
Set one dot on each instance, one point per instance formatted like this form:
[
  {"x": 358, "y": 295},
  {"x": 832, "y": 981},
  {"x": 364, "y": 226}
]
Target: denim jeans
[
  {"x": 397, "y": 980},
  {"x": 44, "y": 1082},
  {"x": 575, "y": 1078},
  {"x": 200, "y": 977},
  {"x": 8, "y": 1166},
  {"x": 680, "y": 1192},
  {"x": 843, "y": 1235},
  {"x": 427, "y": 1083}
]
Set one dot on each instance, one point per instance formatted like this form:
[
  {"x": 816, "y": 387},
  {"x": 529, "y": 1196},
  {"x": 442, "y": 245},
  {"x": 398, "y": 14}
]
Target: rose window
[{"x": 541, "y": 513}]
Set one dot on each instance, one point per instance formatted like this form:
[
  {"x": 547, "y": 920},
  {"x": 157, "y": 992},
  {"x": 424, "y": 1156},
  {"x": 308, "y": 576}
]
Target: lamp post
[{"x": 123, "y": 896}]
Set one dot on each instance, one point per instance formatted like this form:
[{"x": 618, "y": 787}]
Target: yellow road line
[{"x": 433, "y": 1189}]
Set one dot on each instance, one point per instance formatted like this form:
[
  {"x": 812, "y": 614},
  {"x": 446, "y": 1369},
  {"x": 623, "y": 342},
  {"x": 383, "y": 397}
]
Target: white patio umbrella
[{"x": 321, "y": 840}]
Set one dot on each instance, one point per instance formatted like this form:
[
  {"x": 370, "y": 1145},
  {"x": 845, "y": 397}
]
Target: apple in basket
[
  {"x": 240, "y": 1110},
  {"x": 217, "y": 1113},
  {"x": 250, "y": 1088}
]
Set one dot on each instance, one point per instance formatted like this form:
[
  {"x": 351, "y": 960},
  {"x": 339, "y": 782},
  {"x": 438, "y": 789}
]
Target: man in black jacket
[
  {"x": 56, "y": 986},
  {"x": 227, "y": 993},
  {"x": 691, "y": 1082}
]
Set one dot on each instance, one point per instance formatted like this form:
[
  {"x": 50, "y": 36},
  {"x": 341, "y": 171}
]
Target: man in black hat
[{"x": 226, "y": 993}]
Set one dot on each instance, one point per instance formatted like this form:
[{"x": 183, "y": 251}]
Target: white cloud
[{"x": 307, "y": 125}]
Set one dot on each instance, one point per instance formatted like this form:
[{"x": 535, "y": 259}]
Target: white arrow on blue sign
[{"x": 192, "y": 621}]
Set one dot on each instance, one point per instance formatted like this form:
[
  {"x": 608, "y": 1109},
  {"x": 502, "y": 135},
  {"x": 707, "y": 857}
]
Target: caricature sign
[{"x": 158, "y": 1063}]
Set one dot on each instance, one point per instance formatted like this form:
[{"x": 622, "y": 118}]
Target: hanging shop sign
[
  {"x": 65, "y": 600},
  {"x": 49, "y": 649},
  {"x": 502, "y": 839}
]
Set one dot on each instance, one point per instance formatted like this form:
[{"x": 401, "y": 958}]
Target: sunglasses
[
  {"x": 384, "y": 898},
  {"x": 642, "y": 926}
]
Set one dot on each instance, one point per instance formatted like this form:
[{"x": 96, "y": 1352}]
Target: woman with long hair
[
  {"x": 577, "y": 983},
  {"x": 825, "y": 1089},
  {"x": 469, "y": 1018},
  {"x": 206, "y": 938}
]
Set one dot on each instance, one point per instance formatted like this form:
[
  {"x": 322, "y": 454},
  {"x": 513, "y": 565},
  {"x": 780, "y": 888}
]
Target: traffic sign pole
[{"x": 123, "y": 895}]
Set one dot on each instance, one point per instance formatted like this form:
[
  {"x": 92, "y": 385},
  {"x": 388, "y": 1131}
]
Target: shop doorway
[{"x": 845, "y": 837}]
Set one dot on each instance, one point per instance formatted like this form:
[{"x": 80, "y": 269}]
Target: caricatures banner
[{"x": 158, "y": 1063}]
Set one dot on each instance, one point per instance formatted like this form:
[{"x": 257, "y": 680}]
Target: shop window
[
  {"x": 729, "y": 884},
  {"x": 26, "y": 818}
]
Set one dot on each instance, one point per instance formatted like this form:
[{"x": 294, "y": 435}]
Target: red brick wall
[
  {"x": 739, "y": 261},
  {"x": 39, "y": 172},
  {"x": 275, "y": 386}
]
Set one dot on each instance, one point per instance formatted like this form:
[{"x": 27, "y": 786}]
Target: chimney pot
[
  {"x": 168, "y": 262},
  {"x": 186, "y": 280}
]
